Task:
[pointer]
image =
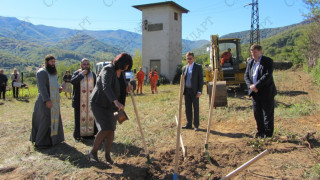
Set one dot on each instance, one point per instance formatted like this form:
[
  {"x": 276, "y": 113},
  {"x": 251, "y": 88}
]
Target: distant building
[{"x": 162, "y": 37}]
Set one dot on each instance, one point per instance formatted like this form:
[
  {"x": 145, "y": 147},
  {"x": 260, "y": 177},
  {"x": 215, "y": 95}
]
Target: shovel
[
  {"x": 210, "y": 113},
  {"x": 140, "y": 128},
  {"x": 175, "y": 175}
]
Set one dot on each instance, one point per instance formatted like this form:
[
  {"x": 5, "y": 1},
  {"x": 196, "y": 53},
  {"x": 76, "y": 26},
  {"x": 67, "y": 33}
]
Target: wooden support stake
[
  {"x": 175, "y": 176},
  {"x": 184, "y": 149},
  {"x": 214, "y": 87},
  {"x": 215, "y": 61},
  {"x": 245, "y": 165}
]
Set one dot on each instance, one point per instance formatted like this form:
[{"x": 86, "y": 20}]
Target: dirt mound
[
  {"x": 198, "y": 164},
  {"x": 225, "y": 157}
]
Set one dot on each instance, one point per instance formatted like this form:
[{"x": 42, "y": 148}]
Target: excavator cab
[{"x": 231, "y": 71}]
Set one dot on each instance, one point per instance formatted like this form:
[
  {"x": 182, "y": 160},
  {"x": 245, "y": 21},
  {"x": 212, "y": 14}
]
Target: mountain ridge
[
  {"x": 30, "y": 43},
  {"x": 23, "y": 30}
]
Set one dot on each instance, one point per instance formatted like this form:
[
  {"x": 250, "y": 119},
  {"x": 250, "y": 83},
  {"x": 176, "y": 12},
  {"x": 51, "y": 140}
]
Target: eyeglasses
[{"x": 189, "y": 58}]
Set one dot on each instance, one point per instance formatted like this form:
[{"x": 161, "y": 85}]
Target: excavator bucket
[{"x": 220, "y": 99}]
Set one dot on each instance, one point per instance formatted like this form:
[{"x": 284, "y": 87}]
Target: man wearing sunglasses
[{"x": 192, "y": 90}]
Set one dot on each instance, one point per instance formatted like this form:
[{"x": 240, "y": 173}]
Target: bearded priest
[{"x": 47, "y": 129}]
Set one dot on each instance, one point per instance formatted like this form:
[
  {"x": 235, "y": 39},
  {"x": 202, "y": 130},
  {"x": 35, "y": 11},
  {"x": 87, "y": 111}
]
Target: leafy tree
[
  {"x": 290, "y": 45},
  {"x": 163, "y": 79},
  {"x": 314, "y": 31},
  {"x": 176, "y": 79},
  {"x": 202, "y": 59},
  {"x": 137, "y": 60},
  {"x": 62, "y": 67}
]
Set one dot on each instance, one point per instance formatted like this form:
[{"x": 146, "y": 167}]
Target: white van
[
  {"x": 100, "y": 65},
  {"x": 129, "y": 74}
]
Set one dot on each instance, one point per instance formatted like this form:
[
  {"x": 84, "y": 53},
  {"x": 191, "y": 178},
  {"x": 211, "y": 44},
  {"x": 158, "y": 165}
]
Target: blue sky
[{"x": 205, "y": 17}]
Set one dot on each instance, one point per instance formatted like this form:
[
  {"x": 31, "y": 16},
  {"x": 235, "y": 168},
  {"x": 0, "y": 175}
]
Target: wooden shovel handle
[{"x": 139, "y": 124}]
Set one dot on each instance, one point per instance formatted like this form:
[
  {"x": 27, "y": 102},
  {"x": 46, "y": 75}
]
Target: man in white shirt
[
  {"x": 192, "y": 90},
  {"x": 261, "y": 88}
]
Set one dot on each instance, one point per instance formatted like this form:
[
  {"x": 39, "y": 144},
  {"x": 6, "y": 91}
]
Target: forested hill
[
  {"x": 24, "y": 44},
  {"x": 83, "y": 43},
  {"x": 24, "y": 54},
  {"x": 13, "y": 28},
  {"x": 289, "y": 45},
  {"x": 281, "y": 44},
  {"x": 264, "y": 33}
]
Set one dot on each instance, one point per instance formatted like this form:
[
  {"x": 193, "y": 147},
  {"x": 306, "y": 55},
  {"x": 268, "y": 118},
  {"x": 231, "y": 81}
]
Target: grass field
[{"x": 231, "y": 143}]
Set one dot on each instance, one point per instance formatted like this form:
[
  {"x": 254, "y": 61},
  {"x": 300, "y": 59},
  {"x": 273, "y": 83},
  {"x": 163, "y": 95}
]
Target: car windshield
[{"x": 129, "y": 75}]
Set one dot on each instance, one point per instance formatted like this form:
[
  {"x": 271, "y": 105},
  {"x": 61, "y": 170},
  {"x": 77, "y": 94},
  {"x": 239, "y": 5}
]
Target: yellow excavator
[{"x": 230, "y": 72}]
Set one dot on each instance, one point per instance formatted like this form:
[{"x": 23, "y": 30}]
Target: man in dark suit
[
  {"x": 192, "y": 90},
  {"x": 259, "y": 79}
]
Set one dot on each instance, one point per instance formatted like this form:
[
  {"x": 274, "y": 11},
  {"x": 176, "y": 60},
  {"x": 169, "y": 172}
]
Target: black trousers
[
  {"x": 15, "y": 91},
  {"x": 191, "y": 101},
  {"x": 3, "y": 92},
  {"x": 263, "y": 110},
  {"x": 76, "y": 130}
]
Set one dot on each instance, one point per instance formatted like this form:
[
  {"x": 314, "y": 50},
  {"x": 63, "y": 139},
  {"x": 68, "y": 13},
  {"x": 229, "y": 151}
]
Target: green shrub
[
  {"x": 163, "y": 79},
  {"x": 315, "y": 72},
  {"x": 313, "y": 172},
  {"x": 176, "y": 79},
  {"x": 304, "y": 108}
]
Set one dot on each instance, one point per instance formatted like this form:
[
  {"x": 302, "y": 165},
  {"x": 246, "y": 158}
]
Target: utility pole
[{"x": 254, "y": 32}]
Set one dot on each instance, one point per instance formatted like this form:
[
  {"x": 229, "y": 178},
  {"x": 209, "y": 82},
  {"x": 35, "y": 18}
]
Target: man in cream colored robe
[{"x": 83, "y": 81}]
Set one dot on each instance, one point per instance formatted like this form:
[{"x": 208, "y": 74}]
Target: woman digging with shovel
[{"x": 109, "y": 96}]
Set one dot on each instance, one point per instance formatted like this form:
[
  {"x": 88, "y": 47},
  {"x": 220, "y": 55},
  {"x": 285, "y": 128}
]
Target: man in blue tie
[{"x": 192, "y": 90}]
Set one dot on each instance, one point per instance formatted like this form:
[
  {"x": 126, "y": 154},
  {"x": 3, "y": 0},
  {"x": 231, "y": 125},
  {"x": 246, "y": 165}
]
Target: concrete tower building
[{"x": 162, "y": 37}]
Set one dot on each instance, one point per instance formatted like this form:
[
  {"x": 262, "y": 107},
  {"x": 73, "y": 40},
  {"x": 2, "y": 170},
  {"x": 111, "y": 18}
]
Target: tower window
[{"x": 175, "y": 16}]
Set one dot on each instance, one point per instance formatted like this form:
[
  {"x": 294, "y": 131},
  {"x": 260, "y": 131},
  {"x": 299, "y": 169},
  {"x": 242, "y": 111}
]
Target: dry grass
[{"x": 157, "y": 113}]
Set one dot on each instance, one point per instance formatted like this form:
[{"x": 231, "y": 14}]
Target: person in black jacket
[
  {"x": 3, "y": 84},
  {"x": 83, "y": 81},
  {"x": 259, "y": 79},
  {"x": 108, "y": 97},
  {"x": 192, "y": 90}
]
